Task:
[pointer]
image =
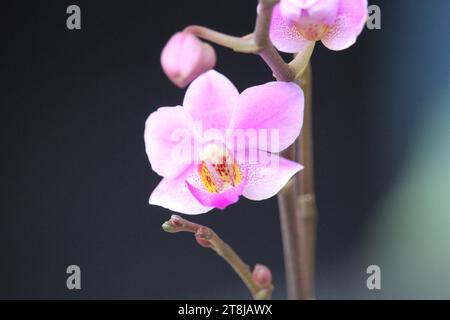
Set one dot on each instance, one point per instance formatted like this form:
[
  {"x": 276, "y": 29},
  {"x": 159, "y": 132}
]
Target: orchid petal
[
  {"x": 324, "y": 11},
  {"x": 164, "y": 130},
  {"x": 275, "y": 109},
  {"x": 266, "y": 179},
  {"x": 217, "y": 200},
  {"x": 285, "y": 35},
  {"x": 211, "y": 99},
  {"x": 352, "y": 15},
  {"x": 174, "y": 194}
]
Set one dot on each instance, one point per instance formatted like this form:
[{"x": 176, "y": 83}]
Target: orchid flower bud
[
  {"x": 262, "y": 276},
  {"x": 185, "y": 57}
]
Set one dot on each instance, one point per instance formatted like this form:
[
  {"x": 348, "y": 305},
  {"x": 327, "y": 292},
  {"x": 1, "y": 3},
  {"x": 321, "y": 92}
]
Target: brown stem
[
  {"x": 206, "y": 237},
  {"x": 298, "y": 209},
  {"x": 268, "y": 53},
  {"x": 305, "y": 188}
]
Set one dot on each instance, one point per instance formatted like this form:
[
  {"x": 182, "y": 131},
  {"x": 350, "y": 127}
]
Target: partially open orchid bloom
[
  {"x": 221, "y": 144},
  {"x": 337, "y": 23},
  {"x": 185, "y": 57}
]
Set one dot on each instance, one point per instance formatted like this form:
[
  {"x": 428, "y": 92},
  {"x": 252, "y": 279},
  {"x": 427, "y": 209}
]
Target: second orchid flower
[{"x": 337, "y": 23}]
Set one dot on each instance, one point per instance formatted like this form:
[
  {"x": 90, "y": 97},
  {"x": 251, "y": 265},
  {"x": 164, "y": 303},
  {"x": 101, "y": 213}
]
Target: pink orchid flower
[
  {"x": 337, "y": 23},
  {"x": 219, "y": 131}
]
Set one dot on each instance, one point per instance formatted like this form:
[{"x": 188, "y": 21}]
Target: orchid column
[{"x": 216, "y": 171}]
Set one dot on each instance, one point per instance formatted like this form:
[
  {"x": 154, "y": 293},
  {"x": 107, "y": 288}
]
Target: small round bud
[
  {"x": 176, "y": 221},
  {"x": 262, "y": 276},
  {"x": 168, "y": 227}
]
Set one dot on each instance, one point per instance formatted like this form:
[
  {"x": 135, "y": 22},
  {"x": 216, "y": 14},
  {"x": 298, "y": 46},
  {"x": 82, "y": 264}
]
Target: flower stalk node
[
  {"x": 307, "y": 205},
  {"x": 264, "y": 294},
  {"x": 203, "y": 237}
]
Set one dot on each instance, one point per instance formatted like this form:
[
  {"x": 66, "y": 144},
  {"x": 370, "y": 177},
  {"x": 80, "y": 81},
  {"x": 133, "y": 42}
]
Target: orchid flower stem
[
  {"x": 209, "y": 239},
  {"x": 298, "y": 209},
  {"x": 281, "y": 71},
  {"x": 296, "y": 201},
  {"x": 243, "y": 45},
  {"x": 257, "y": 43}
]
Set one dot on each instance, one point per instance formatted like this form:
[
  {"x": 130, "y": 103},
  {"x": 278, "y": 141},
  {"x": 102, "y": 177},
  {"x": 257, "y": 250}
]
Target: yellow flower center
[{"x": 218, "y": 169}]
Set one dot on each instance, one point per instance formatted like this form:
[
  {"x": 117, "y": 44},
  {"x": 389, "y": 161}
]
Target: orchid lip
[
  {"x": 218, "y": 169},
  {"x": 313, "y": 32},
  {"x": 219, "y": 180}
]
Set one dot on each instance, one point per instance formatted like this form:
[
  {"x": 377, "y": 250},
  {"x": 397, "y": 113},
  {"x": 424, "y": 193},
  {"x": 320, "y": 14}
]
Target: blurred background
[{"x": 75, "y": 179}]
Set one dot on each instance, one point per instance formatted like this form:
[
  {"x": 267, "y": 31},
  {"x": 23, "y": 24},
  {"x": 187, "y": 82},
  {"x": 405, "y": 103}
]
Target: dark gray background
[{"x": 75, "y": 179}]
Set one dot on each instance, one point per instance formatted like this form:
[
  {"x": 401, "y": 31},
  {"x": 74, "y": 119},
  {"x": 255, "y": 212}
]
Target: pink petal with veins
[
  {"x": 211, "y": 99},
  {"x": 285, "y": 35},
  {"x": 267, "y": 178},
  {"x": 274, "y": 107},
  {"x": 351, "y": 19}
]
